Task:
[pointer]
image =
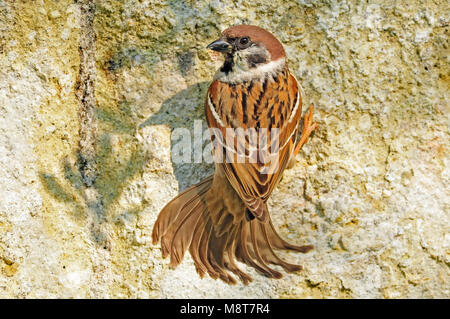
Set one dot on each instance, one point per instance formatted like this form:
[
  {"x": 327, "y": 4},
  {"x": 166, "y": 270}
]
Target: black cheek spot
[{"x": 255, "y": 59}]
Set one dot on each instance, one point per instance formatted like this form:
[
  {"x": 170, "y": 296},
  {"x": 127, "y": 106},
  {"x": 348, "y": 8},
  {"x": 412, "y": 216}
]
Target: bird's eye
[{"x": 244, "y": 41}]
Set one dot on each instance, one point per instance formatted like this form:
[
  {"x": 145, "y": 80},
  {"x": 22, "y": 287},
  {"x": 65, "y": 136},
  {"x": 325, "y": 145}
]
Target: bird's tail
[{"x": 212, "y": 223}]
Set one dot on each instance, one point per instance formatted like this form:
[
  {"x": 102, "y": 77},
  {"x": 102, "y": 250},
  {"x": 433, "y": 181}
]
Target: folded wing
[{"x": 255, "y": 128}]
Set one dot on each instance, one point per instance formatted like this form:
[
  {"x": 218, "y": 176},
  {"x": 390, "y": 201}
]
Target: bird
[{"x": 225, "y": 218}]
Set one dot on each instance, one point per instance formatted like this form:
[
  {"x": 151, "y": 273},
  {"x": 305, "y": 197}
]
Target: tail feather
[
  {"x": 171, "y": 211},
  {"x": 194, "y": 248},
  {"x": 269, "y": 255},
  {"x": 204, "y": 258},
  {"x": 188, "y": 210},
  {"x": 259, "y": 258},
  {"x": 279, "y": 243},
  {"x": 231, "y": 254},
  {"x": 209, "y": 220},
  {"x": 182, "y": 239},
  {"x": 216, "y": 257}
]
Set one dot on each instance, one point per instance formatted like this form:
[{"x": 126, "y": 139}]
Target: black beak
[{"x": 219, "y": 46}]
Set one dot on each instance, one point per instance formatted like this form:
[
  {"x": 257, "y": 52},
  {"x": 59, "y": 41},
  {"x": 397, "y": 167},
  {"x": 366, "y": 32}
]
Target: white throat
[{"x": 239, "y": 74}]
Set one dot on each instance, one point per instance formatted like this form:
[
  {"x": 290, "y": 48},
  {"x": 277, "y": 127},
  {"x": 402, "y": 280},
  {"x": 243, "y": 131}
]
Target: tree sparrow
[{"x": 225, "y": 216}]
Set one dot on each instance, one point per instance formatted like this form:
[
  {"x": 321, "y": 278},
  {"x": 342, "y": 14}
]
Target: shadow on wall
[
  {"x": 112, "y": 174},
  {"x": 181, "y": 111},
  {"x": 178, "y": 111}
]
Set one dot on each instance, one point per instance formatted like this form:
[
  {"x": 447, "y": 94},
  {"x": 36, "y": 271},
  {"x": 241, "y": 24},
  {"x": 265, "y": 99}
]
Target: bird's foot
[{"x": 308, "y": 127}]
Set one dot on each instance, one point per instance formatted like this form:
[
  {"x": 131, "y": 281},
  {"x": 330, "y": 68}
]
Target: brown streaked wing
[{"x": 271, "y": 104}]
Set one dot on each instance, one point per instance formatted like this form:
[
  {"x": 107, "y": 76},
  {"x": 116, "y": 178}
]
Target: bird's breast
[{"x": 253, "y": 104}]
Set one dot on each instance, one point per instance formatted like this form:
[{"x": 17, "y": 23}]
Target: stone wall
[{"x": 89, "y": 96}]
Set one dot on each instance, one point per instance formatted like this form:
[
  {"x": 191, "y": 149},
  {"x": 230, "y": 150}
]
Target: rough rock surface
[{"x": 369, "y": 191}]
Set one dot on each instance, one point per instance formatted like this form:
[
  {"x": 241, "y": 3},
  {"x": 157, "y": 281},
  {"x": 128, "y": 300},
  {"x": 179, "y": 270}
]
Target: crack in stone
[{"x": 85, "y": 93}]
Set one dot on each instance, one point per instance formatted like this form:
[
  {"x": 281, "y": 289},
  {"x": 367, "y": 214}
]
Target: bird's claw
[{"x": 308, "y": 127}]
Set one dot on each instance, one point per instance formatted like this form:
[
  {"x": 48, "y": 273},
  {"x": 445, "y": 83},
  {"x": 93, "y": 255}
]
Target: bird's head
[{"x": 249, "y": 52}]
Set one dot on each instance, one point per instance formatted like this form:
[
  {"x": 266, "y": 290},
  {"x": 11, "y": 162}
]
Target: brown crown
[{"x": 259, "y": 35}]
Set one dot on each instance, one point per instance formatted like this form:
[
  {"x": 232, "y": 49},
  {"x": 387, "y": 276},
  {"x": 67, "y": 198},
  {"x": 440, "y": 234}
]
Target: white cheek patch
[
  {"x": 239, "y": 75},
  {"x": 241, "y": 57}
]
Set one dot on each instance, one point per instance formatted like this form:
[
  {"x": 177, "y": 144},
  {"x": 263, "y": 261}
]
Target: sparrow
[{"x": 225, "y": 217}]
